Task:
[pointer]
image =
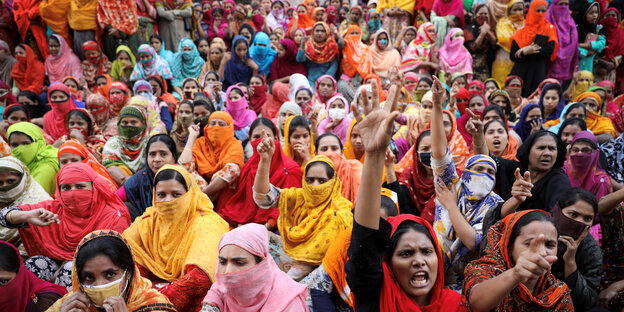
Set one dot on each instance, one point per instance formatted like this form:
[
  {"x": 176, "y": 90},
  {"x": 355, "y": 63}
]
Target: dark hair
[
  {"x": 156, "y": 36},
  {"x": 9, "y": 259},
  {"x": 191, "y": 80},
  {"x": 572, "y": 121},
  {"x": 55, "y": 39},
  {"x": 239, "y": 91},
  {"x": 403, "y": 228},
  {"x": 30, "y": 95},
  {"x": 112, "y": 247},
  {"x": 421, "y": 136},
  {"x": 83, "y": 115},
  {"x": 328, "y": 169},
  {"x": 187, "y": 102},
  {"x": 570, "y": 196},
  {"x": 525, "y": 149},
  {"x": 250, "y": 28},
  {"x": 389, "y": 206},
  {"x": 218, "y": 11},
  {"x": 530, "y": 108},
  {"x": 304, "y": 89},
  {"x": 491, "y": 122},
  {"x": 14, "y": 108},
  {"x": 536, "y": 215},
  {"x": 263, "y": 121},
  {"x": 575, "y": 106},
  {"x": 200, "y": 99},
  {"x": 170, "y": 174},
  {"x": 198, "y": 40},
  {"x": 499, "y": 112},
  {"x": 122, "y": 51},
  {"x": 328, "y": 134},
  {"x": 165, "y": 138},
  {"x": 298, "y": 122},
  {"x": 213, "y": 73}
]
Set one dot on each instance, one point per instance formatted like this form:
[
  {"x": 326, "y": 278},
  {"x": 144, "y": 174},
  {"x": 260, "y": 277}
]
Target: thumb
[
  {"x": 472, "y": 115},
  {"x": 551, "y": 259},
  {"x": 517, "y": 174},
  {"x": 535, "y": 243}
]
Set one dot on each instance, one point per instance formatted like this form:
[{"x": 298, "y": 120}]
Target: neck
[
  {"x": 429, "y": 172},
  {"x": 536, "y": 174},
  {"x": 358, "y": 154}
]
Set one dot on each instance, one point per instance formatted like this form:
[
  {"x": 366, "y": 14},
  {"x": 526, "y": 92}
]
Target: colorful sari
[{"x": 126, "y": 149}]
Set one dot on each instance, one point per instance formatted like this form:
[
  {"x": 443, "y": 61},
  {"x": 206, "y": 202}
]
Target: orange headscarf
[
  {"x": 383, "y": 94},
  {"x": 288, "y": 150},
  {"x": 536, "y": 23},
  {"x": 350, "y": 174},
  {"x": 596, "y": 123},
  {"x": 334, "y": 263},
  {"x": 355, "y": 54},
  {"x": 304, "y": 21},
  {"x": 217, "y": 147},
  {"x": 75, "y": 147},
  {"x": 349, "y": 151},
  {"x": 511, "y": 149}
]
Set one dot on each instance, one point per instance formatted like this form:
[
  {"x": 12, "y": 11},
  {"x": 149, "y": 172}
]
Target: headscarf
[
  {"x": 523, "y": 128},
  {"x": 455, "y": 8},
  {"x": 6, "y": 63},
  {"x": 65, "y": 63},
  {"x": 155, "y": 66},
  {"x": 342, "y": 129},
  {"x": 75, "y": 147},
  {"x": 117, "y": 103},
  {"x": 28, "y": 72},
  {"x": 278, "y": 96},
  {"x": 557, "y": 112},
  {"x": 263, "y": 56},
  {"x": 239, "y": 111},
  {"x": 286, "y": 65},
  {"x": 174, "y": 236},
  {"x": 149, "y": 104},
  {"x": 128, "y": 148},
  {"x": 310, "y": 215},
  {"x": 217, "y": 147},
  {"x": 454, "y": 57},
  {"x": 259, "y": 96},
  {"x": 318, "y": 83},
  {"x": 382, "y": 61},
  {"x": 237, "y": 206},
  {"x": 117, "y": 71},
  {"x": 393, "y": 298},
  {"x": 24, "y": 287},
  {"x": 93, "y": 67},
  {"x": 349, "y": 149},
  {"x": 120, "y": 15},
  {"x": 263, "y": 287},
  {"x": 304, "y": 21},
  {"x": 596, "y": 123},
  {"x": 456, "y": 143},
  {"x": 59, "y": 240},
  {"x": 421, "y": 188},
  {"x": 287, "y": 107},
  {"x": 54, "y": 120},
  {"x": 236, "y": 69},
  {"x": 614, "y": 154},
  {"x": 356, "y": 54},
  {"x": 321, "y": 52},
  {"x": 555, "y": 124},
  {"x": 581, "y": 8},
  {"x": 419, "y": 50},
  {"x": 584, "y": 170},
  {"x": 288, "y": 149},
  {"x": 535, "y": 23},
  {"x": 179, "y": 131},
  {"x": 508, "y": 25},
  {"x": 186, "y": 64},
  {"x": 614, "y": 34},
  {"x": 25, "y": 191},
  {"x": 296, "y": 82},
  {"x": 566, "y": 61},
  {"x": 549, "y": 293},
  {"x": 277, "y": 18},
  {"x": 139, "y": 295}
]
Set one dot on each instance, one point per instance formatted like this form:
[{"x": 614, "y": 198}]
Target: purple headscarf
[
  {"x": 342, "y": 129},
  {"x": 563, "y": 67}
]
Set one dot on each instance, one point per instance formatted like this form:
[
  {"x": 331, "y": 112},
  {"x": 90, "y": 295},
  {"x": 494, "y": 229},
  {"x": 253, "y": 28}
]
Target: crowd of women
[{"x": 336, "y": 155}]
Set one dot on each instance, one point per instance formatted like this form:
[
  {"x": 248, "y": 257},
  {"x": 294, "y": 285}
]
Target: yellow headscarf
[
  {"x": 581, "y": 87},
  {"x": 349, "y": 151},
  {"x": 173, "y": 235},
  {"x": 288, "y": 150},
  {"x": 311, "y": 217}
]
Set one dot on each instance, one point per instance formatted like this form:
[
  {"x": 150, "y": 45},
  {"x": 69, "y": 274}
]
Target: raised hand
[
  {"x": 536, "y": 125},
  {"x": 521, "y": 189},
  {"x": 531, "y": 264},
  {"x": 77, "y": 302},
  {"x": 474, "y": 126},
  {"x": 447, "y": 197},
  {"x": 376, "y": 128},
  {"x": 439, "y": 92},
  {"x": 42, "y": 217},
  {"x": 194, "y": 130},
  {"x": 572, "y": 245},
  {"x": 266, "y": 147}
]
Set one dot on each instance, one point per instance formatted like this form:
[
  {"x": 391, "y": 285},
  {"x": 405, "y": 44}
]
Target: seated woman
[
  {"x": 285, "y": 64},
  {"x": 80, "y": 127},
  {"x": 150, "y": 63},
  {"x": 514, "y": 274},
  {"x": 118, "y": 96},
  {"x": 551, "y": 101},
  {"x": 97, "y": 105},
  {"x": 61, "y": 103},
  {"x": 237, "y": 205},
  {"x": 13, "y": 114},
  {"x": 51, "y": 230},
  {"x": 72, "y": 151},
  {"x": 123, "y": 154},
  {"x": 183, "y": 120},
  {"x": 495, "y": 112},
  {"x": 158, "y": 111},
  {"x": 61, "y": 62},
  {"x": 319, "y": 53},
  {"x": 572, "y": 110},
  {"x": 569, "y": 128},
  {"x": 31, "y": 100},
  {"x": 393, "y": 265},
  {"x": 309, "y": 215},
  {"x": 29, "y": 146},
  {"x": 531, "y": 121},
  {"x": 499, "y": 141},
  {"x": 174, "y": 243},
  {"x": 95, "y": 63},
  {"x": 337, "y": 122},
  {"x": 597, "y": 124},
  {"x": 244, "y": 256},
  {"x": 349, "y": 170},
  {"x": 501, "y": 98},
  {"x": 28, "y": 73},
  {"x": 161, "y": 92},
  {"x": 21, "y": 290},
  {"x": 238, "y": 108},
  {"x": 238, "y": 67},
  {"x": 287, "y": 110},
  {"x": 124, "y": 64},
  {"x": 104, "y": 258},
  {"x": 583, "y": 165},
  {"x": 454, "y": 57},
  {"x": 187, "y": 63},
  {"x": 298, "y": 144},
  {"x": 136, "y": 192},
  {"x": 217, "y": 156},
  {"x": 353, "y": 147}
]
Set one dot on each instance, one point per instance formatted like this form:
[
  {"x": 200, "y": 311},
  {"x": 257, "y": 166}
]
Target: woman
[
  {"x": 383, "y": 56},
  {"x": 569, "y": 128},
  {"x": 217, "y": 24},
  {"x": 355, "y": 18},
  {"x": 87, "y": 291},
  {"x": 326, "y": 88},
  {"x": 583, "y": 166},
  {"x": 298, "y": 144},
  {"x": 21, "y": 289},
  {"x": 7, "y": 61},
  {"x": 61, "y": 62},
  {"x": 171, "y": 244},
  {"x": 336, "y": 121},
  {"x": 348, "y": 170},
  {"x": 124, "y": 64},
  {"x": 98, "y": 107},
  {"x": 551, "y": 101},
  {"x": 262, "y": 54},
  {"x": 123, "y": 154},
  {"x": 237, "y": 107},
  {"x": 159, "y": 119},
  {"x": 171, "y": 16},
  {"x": 62, "y": 104},
  {"x": 572, "y": 110},
  {"x": 454, "y": 57},
  {"x": 28, "y": 73},
  {"x": 501, "y": 99},
  {"x": 72, "y": 151},
  {"x": 215, "y": 58},
  {"x": 136, "y": 192},
  {"x": 277, "y": 18},
  {"x": 481, "y": 41},
  {"x": 186, "y": 63},
  {"x": 150, "y": 63},
  {"x": 275, "y": 291},
  {"x": 259, "y": 93},
  {"x": 319, "y": 53},
  {"x": 421, "y": 53},
  {"x": 499, "y": 141},
  {"x": 183, "y": 120},
  {"x": 287, "y": 110},
  {"x": 84, "y": 203},
  {"x": 146, "y": 13},
  {"x": 529, "y": 57},
  {"x": 29, "y": 146},
  {"x": 530, "y": 121},
  {"x": 118, "y": 96},
  {"x": 95, "y": 62},
  {"x": 597, "y": 124},
  {"x": 608, "y": 65},
  {"x": 590, "y": 42},
  {"x": 239, "y": 67},
  {"x": 237, "y": 205},
  {"x": 564, "y": 65},
  {"x": 506, "y": 27},
  {"x": 13, "y": 114},
  {"x": 451, "y": 10},
  {"x": 157, "y": 43},
  {"x": 520, "y": 251},
  {"x": 275, "y": 100}
]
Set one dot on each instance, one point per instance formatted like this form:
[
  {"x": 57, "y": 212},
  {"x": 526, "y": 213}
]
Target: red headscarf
[
  {"x": 59, "y": 241},
  {"x": 536, "y": 23},
  {"x": 615, "y": 44},
  {"x": 15, "y": 295},
  {"x": 287, "y": 64},
  {"x": 75, "y": 147},
  {"x": 259, "y": 97},
  {"x": 463, "y": 95},
  {"x": 237, "y": 205},
  {"x": 420, "y": 187},
  {"x": 321, "y": 52},
  {"x": 28, "y": 73},
  {"x": 394, "y": 298},
  {"x": 278, "y": 96},
  {"x": 54, "y": 120},
  {"x": 115, "y": 105}
]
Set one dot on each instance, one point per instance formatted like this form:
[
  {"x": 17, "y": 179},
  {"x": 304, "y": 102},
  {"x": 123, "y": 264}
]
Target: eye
[
  {"x": 110, "y": 275},
  {"x": 222, "y": 261}
]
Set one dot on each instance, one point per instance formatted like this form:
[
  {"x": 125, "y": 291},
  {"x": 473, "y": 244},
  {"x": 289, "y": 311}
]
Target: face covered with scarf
[
  {"x": 118, "y": 96},
  {"x": 131, "y": 123},
  {"x": 478, "y": 178}
]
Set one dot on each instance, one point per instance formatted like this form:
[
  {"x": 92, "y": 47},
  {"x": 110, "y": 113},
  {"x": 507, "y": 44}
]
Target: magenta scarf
[
  {"x": 563, "y": 67},
  {"x": 318, "y": 82},
  {"x": 584, "y": 169},
  {"x": 239, "y": 110},
  {"x": 454, "y": 57},
  {"x": 451, "y": 7},
  {"x": 342, "y": 129}
]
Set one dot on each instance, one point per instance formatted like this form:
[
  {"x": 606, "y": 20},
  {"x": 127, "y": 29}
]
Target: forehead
[{"x": 328, "y": 140}]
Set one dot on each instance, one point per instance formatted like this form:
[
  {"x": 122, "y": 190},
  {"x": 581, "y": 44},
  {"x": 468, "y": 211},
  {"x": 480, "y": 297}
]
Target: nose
[
  {"x": 418, "y": 260},
  {"x": 229, "y": 268}
]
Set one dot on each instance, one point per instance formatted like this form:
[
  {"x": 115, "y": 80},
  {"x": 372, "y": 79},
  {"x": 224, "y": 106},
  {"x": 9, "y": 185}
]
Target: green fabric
[
  {"x": 130, "y": 132},
  {"x": 40, "y": 158},
  {"x": 117, "y": 69},
  {"x": 130, "y": 111}
]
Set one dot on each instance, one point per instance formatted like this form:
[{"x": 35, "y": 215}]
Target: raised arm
[
  {"x": 439, "y": 144},
  {"x": 266, "y": 148}
]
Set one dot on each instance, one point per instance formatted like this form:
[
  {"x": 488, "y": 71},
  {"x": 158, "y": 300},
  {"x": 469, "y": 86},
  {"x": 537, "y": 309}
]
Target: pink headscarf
[
  {"x": 443, "y": 8},
  {"x": 342, "y": 129},
  {"x": 239, "y": 110},
  {"x": 318, "y": 82},
  {"x": 584, "y": 170},
  {"x": 64, "y": 64},
  {"x": 454, "y": 57},
  {"x": 264, "y": 287}
]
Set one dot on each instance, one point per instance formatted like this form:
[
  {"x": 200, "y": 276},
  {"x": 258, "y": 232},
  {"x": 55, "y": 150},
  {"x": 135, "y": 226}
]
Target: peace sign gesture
[{"x": 376, "y": 128}]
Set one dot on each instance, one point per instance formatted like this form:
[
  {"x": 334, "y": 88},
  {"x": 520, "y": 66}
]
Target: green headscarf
[{"x": 117, "y": 71}]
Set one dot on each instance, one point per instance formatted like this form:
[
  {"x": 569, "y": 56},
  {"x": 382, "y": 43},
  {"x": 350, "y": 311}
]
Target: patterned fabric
[
  {"x": 119, "y": 14},
  {"x": 24, "y": 191},
  {"x": 128, "y": 152},
  {"x": 186, "y": 64},
  {"x": 613, "y": 253},
  {"x": 156, "y": 65},
  {"x": 322, "y": 52},
  {"x": 614, "y": 152},
  {"x": 420, "y": 49},
  {"x": 46, "y": 269},
  {"x": 99, "y": 65}
]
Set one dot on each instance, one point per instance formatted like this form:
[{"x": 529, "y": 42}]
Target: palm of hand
[{"x": 374, "y": 137}]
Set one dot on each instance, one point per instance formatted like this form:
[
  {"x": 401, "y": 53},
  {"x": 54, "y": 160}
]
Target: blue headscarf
[
  {"x": 186, "y": 64},
  {"x": 236, "y": 69},
  {"x": 557, "y": 113},
  {"x": 555, "y": 129},
  {"x": 523, "y": 128},
  {"x": 263, "y": 56},
  {"x": 142, "y": 83}
]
